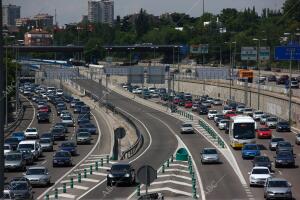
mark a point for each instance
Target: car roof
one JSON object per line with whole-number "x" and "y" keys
{"x": 121, "y": 164}
{"x": 276, "y": 179}
{"x": 28, "y": 141}
{"x": 37, "y": 167}
{"x": 260, "y": 167}
{"x": 209, "y": 148}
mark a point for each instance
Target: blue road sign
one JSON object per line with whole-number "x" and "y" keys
{"x": 290, "y": 52}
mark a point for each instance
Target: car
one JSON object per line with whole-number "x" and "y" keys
{"x": 82, "y": 121}
{"x": 83, "y": 138}
{"x": 21, "y": 190}
{"x": 73, "y": 102}
{"x": 264, "y": 118}
{"x": 230, "y": 114}
{"x": 273, "y": 143}
{"x": 31, "y": 133}
{"x": 283, "y": 126}
{"x": 20, "y": 135}
{"x": 7, "y": 149}
{"x": 84, "y": 116}
{"x": 33, "y": 146}
{"x": 67, "y": 98}
{"x": 218, "y": 116}
{"x": 120, "y": 173}
{"x": 137, "y": 91}
{"x": 13, "y": 142}
{"x": 277, "y": 188}
{"x": 226, "y": 109}
{"x": 211, "y": 114}
{"x": 65, "y": 113}
{"x": 195, "y": 106}
{"x": 297, "y": 139}
{"x": 46, "y": 144}
{"x": 67, "y": 120}
{"x": 44, "y": 108}
{"x": 62, "y": 158}
{"x": 69, "y": 146}
{"x": 262, "y": 161}
{"x": 151, "y": 89}
{"x": 284, "y": 159}
{"x": 257, "y": 115}
{"x": 14, "y": 162}
{"x": 43, "y": 117}
{"x": 188, "y": 104}
{"x": 250, "y": 151}
{"x": 38, "y": 176}
{"x": 47, "y": 136}
{"x": 27, "y": 156}
{"x": 92, "y": 129}
{"x": 271, "y": 122}
{"x": 264, "y": 132}
{"x": 259, "y": 175}
{"x": 59, "y": 92}
{"x": 223, "y": 123}
{"x": 8, "y": 194}
{"x": 248, "y": 111}
{"x": 282, "y": 79}
{"x": 206, "y": 103}
{"x": 295, "y": 84}
{"x": 58, "y": 133}
{"x": 284, "y": 146}
{"x": 271, "y": 78}
{"x": 217, "y": 102}
{"x": 41, "y": 104}
{"x": 85, "y": 109}
{"x": 209, "y": 155}
{"x": 240, "y": 108}
{"x": 59, "y": 109}
{"x": 77, "y": 109}
{"x": 187, "y": 128}
{"x": 62, "y": 126}
{"x": 202, "y": 110}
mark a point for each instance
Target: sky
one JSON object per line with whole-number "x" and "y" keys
{"x": 69, "y": 11}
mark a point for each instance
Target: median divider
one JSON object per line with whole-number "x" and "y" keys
{"x": 212, "y": 133}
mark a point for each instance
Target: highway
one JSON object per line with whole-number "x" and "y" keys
{"x": 46, "y": 159}
{"x": 219, "y": 181}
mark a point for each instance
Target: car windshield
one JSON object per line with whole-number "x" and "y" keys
{"x": 187, "y": 125}
{"x": 12, "y": 157}
{"x": 272, "y": 119}
{"x": 248, "y": 110}
{"x": 18, "y": 134}
{"x": 259, "y": 113}
{"x": 260, "y": 171}
{"x": 6, "y": 147}
{"x": 120, "y": 167}
{"x": 250, "y": 147}
{"x": 209, "y": 151}
{"x": 57, "y": 130}
{"x": 19, "y": 185}
{"x": 284, "y": 144}
{"x": 278, "y": 184}
{"x": 244, "y": 130}
{"x": 264, "y": 129}
{"x": 283, "y": 123}
{"x": 68, "y": 144}
{"x": 84, "y": 134}
{"x": 213, "y": 111}
{"x": 45, "y": 141}
{"x": 62, "y": 154}
{"x": 31, "y": 130}
{"x": 67, "y": 118}
{"x": 277, "y": 139}
{"x": 37, "y": 171}
{"x": 261, "y": 159}
{"x": 26, "y": 146}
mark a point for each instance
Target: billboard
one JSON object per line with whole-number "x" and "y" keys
{"x": 203, "y": 73}
{"x": 156, "y": 75}
{"x": 248, "y": 53}
{"x": 285, "y": 53}
{"x": 135, "y": 74}
{"x": 199, "y": 49}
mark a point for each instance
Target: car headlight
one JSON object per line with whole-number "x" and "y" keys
{"x": 252, "y": 178}
{"x": 127, "y": 175}
{"x": 110, "y": 176}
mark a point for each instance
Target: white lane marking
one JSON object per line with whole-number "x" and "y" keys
{"x": 33, "y": 118}
{"x": 171, "y": 181}
{"x": 79, "y": 187}
{"x": 78, "y": 164}
{"x": 178, "y": 165}
{"x": 174, "y": 175}
{"x": 177, "y": 170}
{"x": 65, "y": 195}
{"x": 100, "y": 155}
{"x": 280, "y": 172}
{"x": 170, "y": 190}
{"x": 194, "y": 163}
{"x": 82, "y": 179}
{"x": 150, "y": 143}
{"x": 43, "y": 162}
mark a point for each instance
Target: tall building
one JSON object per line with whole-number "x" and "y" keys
{"x": 9, "y": 14}
{"x": 101, "y": 11}
{"x": 43, "y": 20}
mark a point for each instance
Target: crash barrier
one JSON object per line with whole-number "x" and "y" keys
{"x": 212, "y": 133}
{"x": 12, "y": 125}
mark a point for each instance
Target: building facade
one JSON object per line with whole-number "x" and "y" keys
{"x": 41, "y": 21}
{"x": 9, "y": 14}
{"x": 38, "y": 37}
{"x": 101, "y": 11}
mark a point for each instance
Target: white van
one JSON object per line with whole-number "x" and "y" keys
{"x": 33, "y": 145}
{"x": 51, "y": 89}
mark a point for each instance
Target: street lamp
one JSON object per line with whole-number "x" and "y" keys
{"x": 258, "y": 63}
{"x": 231, "y": 61}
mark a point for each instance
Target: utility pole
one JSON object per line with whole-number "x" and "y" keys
{"x": 2, "y": 90}
{"x": 290, "y": 89}
{"x": 202, "y": 7}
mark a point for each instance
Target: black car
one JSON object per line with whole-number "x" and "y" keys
{"x": 284, "y": 146}
{"x": 84, "y": 116}
{"x": 62, "y": 158}
{"x": 77, "y": 109}
{"x": 202, "y": 110}
{"x": 284, "y": 158}
{"x": 121, "y": 173}
{"x": 59, "y": 110}
{"x": 12, "y": 141}
{"x": 58, "y": 134}
{"x": 67, "y": 98}
{"x": 262, "y": 161}
{"x": 283, "y": 126}
{"x": 85, "y": 110}
{"x": 21, "y": 189}
{"x": 43, "y": 117}
{"x": 92, "y": 129}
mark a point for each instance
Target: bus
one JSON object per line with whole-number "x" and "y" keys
{"x": 241, "y": 131}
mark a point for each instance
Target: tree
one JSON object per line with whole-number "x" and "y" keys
{"x": 141, "y": 23}
{"x": 291, "y": 9}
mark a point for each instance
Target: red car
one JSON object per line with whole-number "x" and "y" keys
{"x": 176, "y": 100}
{"x": 264, "y": 132}
{"x": 230, "y": 114}
{"x": 43, "y": 109}
{"x": 188, "y": 104}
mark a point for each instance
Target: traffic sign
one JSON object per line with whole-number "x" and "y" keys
{"x": 289, "y": 52}
{"x": 264, "y": 53}
{"x": 248, "y": 53}
{"x": 199, "y": 49}
{"x": 146, "y": 174}
{"x": 120, "y": 132}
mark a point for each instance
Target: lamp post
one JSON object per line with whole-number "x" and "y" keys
{"x": 258, "y": 66}
{"x": 231, "y": 65}
{"x": 178, "y": 65}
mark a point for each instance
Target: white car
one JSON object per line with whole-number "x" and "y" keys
{"x": 259, "y": 175}
{"x": 187, "y": 128}
{"x": 33, "y": 145}
{"x": 257, "y": 115}
{"x": 240, "y": 108}
{"x": 248, "y": 111}
{"x": 7, "y": 149}
{"x": 226, "y": 109}
{"x": 209, "y": 99}
{"x": 59, "y": 92}
{"x": 137, "y": 91}
{"x": 211, "y": 114}
{"x": 222, "y": 124}
{"x": 67, "y": 120}
{"x": 31, "y": 133}
{"x": 294, "y": 84}
{"x": 271, "y": 122}
{"x": 151, "y": 89}
{"x": 65, "y": 113}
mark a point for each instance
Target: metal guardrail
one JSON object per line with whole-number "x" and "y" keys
{"x": 132, "y": 150}
{"x": 19, "y": 116}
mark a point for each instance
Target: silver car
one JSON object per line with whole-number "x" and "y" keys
{"x": 277, "y": 188}
{"x": 46, "y": 144}
{"x": 84, "y": 138}
{"x": 67, "y": 120}
{"x": 273, "y": 143}
{"x": 297, "y": 140}
{"x": 14, "y": 161}
{"x": 210, "y": 155}
{"x": 38, "y": 176}
{"x": 7, "y": 149}
{"x": 187, "y": 128}
{"x": 271, "y": 122}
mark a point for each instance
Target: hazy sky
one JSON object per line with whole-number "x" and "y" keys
{"x": 72, "y": 10}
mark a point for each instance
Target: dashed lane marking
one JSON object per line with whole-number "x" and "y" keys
{"x": 171, "y": 181}
{"x": 176, "y": 170}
